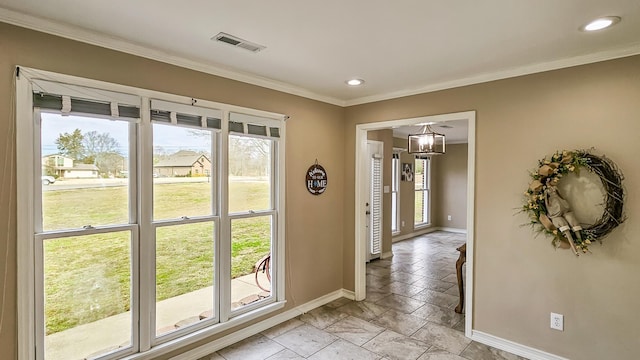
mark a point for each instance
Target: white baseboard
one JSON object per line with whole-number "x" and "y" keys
{"x": 386, "y": 255}
{"x": 413, "y": 234}
{"x": 242, "y": 334}
{"x": 426, "y": 231}
{"x": 453, "y": 230}
{"x": 512, "y": 347}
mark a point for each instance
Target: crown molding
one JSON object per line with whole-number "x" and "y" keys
{"x": 505, "y": 74}
{"x": 113, "y": 43}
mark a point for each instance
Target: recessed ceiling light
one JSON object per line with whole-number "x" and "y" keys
{"x": 355, "y": 82}
{"x": 601, "y": 23}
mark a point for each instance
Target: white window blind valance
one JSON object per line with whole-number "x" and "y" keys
{"x": 76, "y": 100}
{"x": 187, "y": 115}
{"x": 254, "y": 125}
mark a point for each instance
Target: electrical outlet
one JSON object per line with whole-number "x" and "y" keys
{"x": 449, "y": 217}
{"x": 402, "y": 223}
{"x": 557, "y": 321}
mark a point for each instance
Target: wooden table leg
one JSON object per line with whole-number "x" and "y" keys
{"x": 461, "y": 260}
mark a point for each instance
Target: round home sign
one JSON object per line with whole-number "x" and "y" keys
{"x": 316, "y": 179}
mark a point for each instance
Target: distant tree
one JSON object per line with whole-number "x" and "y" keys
{"x": 71, "y": 145}
{"x": 248, "y": 156}
{"x": 101, "y": 150}
{"x": 95, "y": 143}
{"x": 110, "y": 163}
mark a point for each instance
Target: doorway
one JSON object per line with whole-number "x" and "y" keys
{"x": 362, "y": 195}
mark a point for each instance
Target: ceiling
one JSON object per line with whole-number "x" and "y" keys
{"x": 455, "y": 130}
{"x": 398, "y": 47}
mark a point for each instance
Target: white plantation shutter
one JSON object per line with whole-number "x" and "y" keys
{"x": 376, "y": 205}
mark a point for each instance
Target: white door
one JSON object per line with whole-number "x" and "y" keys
{"x": 374, "y": 204}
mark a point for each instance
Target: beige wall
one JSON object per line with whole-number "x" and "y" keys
{"x": 520, "y": 278}
{"x": 449, "y": 187}
{"x": 407, "y": 197}
{"x": 315, "y": 131}
{"x": 386, "y": 137}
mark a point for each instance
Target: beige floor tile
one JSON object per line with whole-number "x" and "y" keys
{"x": 305, "y": 340}
{"x": 437, "y": 298}
{"x": 399, "y": 322}
{"x": 439, "y": 354}
{"x": 282, "y": 328}
{"x": 363, "y": 310}
{"x": 322, "y": 317}
{"x": 443, "y": 337}
{"x": 396, "y": 346}
{"x": 257, "y": 347}
{"x": 285, "y": 354}
{"x": 446, "y": 317}
{"x": 344, "y": 350}
{"x": 355, "y": 330}
{"x": 400, "y": 303}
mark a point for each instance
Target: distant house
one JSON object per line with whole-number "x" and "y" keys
{"x": 184, "y": 163}
{"x": 55, "y": 163}
{"x": 64, "y": 167}
{"x": 81, "y": 171}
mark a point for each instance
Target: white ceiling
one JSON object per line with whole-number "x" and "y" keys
{"x": 397, "y": 47}
{"x": 455, "y": 131}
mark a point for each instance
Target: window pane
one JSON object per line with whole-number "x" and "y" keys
{"x": 85, "y": 164}
{"x": 419, "y": 210}
{"x": 420, "y": 174}
{"x": 249, "y": 174}
{"x": 184, "y": 275}
{"x": 87, "y": 295}
{"x": 182, "y": 169}
{"x": 394, "y": 211}
{"x": 250, "y": 243}
{"x": 395, "y": 163}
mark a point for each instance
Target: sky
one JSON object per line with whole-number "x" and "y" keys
{"x": 170, "y": 138}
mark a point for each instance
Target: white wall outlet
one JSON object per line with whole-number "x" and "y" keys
{"x": 386, "y": 189}
{"x": 449, "y": 217}
{"x": 402, "y": 223}
{"x": 557, "y": 321}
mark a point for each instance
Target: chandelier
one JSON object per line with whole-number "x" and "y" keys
{"x": 428, "y": 142}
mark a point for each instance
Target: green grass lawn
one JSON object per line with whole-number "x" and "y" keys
{"x": 87, "y": 278}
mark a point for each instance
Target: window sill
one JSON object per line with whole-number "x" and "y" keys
{"x": 192, "y": 338}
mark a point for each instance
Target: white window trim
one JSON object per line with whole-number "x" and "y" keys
{"x": 25, "y": 155}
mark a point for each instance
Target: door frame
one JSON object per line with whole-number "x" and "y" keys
{"x": 361, "y": 196}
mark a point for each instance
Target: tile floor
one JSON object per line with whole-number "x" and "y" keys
{"x": 408, "y": 314}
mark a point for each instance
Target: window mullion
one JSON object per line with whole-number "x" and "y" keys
{"x": 146, "y": 239}
{"x": 223, "y": 255}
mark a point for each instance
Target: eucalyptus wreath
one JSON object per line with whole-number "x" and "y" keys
{"x": 551, "y": 170}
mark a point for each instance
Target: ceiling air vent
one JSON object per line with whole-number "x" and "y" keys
{"x": 237, "y": 42}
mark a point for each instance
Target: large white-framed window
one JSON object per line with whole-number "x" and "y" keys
{"x": 395, "y": 193}
{"x": 160, "y": 209}
{"x": 422, "y": 198}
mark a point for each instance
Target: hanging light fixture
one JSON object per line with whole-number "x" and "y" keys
{"x": 428, "y": 142}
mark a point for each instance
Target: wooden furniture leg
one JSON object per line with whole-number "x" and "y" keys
{"x": 461, "y": 260}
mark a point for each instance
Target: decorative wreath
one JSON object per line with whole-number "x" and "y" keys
{"x": 548, "y": 174}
